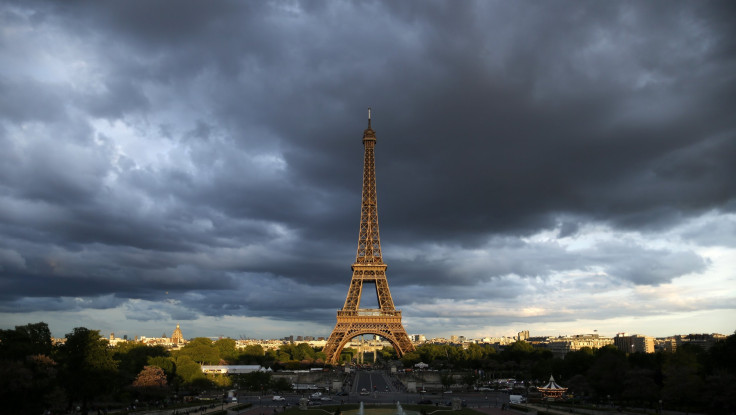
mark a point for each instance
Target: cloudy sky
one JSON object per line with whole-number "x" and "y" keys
{"x": 556, "y": 166}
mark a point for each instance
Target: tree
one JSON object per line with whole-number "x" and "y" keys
{"x": 253, "y": 354}
{"x": 579, "y": 387}
{"x": 447, "y": 380}
{"x": 31, "y": 339}
{"x": 27, "y": 373}
{"x": 165, "y": 363}
{"x": 409, "y": 359}
{"x": 469, "y": 379}
{"x": 639, "y": 387}
{"x": 608, "y": 372}
{"x": 187, "y": 369}
{"x": 150, "y": 377}
{"x": 388, "y": 353}
{"x": 199, "y": 384}
{"x": 255, "y": 381}
{"x": 226, "y": 350}
{"x": 202, "y": 351}
{"x": 220, "y": 380}
{"x": 578, "y": 362}
{"x": 133, "y": 357}
{"x": 88, "y": 368}
{"x": 281, "y": 384}
{"x": 682, "y": 383}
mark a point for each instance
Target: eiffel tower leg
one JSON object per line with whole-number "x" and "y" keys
{"x": 332, "y": 349}
{"x": 388, "y": 327}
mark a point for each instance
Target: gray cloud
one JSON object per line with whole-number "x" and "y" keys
{"x": 215, "y": 149}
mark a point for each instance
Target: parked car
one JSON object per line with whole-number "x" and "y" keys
{"x": 364, "y": 391}
{"x": 278, "y": 398}
{"x": 316, "y": 395}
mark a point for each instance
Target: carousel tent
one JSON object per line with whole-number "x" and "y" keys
{"x": 552, "y": 390}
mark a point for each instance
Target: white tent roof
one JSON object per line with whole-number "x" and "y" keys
{"x": 552, "y": 384}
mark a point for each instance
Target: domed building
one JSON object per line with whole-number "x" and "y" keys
{"x": 176, "y": 336}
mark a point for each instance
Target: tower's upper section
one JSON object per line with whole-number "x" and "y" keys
{"x": 369, "y": 242}
{"x": 368, "y": 133}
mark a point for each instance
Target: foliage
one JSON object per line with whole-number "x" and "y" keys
{"x": 387, "y": 353}
{"x": 253, "y": 354}
{"x": 469, "y": 379}
{"x": 31, "y": 339}
{"x": 226, "y": 350}
{"x": 202, "y": 351}
{"x": 220, "y": 380}
{"x": 165, "y": 363}
{"x": 36, "y": 375}
{"x": 682, "y": 383}
{"x": 150, "y": 377}
{"x": 188, "y": 370}
{"x": 28, "y": 373}
{"x": 447, "y": 380}
{"x": 281, "y": 385}
{"x": 133, "y": 357}
{"x": 255, "y": 381}
{"x": 88, "y": 367}
{"x": 608, "y": 372}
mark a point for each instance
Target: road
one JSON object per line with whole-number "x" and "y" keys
{"x": 381, "y": 388}
{"x": 373, "y": 382}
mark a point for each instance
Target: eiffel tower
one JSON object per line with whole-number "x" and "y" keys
{"x": 353, "y": 321}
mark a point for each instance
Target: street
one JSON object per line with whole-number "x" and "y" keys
{"x": 380, "y": 388}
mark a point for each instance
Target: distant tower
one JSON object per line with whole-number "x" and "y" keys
{"x": 352, "y": 321}
{"x": 176, "y": 336}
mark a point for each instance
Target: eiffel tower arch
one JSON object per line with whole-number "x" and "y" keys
{"x": 353, "y": 321}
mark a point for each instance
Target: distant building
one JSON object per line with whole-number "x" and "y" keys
{"x": 418, "y": 338}
{"x": 176, "y": 337}
{"x": 704, "y": 341}
{"x": 523, "y": 335}
{"x": 668, "y": 345}
{"x": 634, "y": 344}
{"x": 560, "y": 346}
{"x": 233, "y": 369}
{"x": 114, "y": 341}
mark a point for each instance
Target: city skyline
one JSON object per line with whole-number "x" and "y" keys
{"x": 557, "y": 167}
{"x": 451, "y": 338}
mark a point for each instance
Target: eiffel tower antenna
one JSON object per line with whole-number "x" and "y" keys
{"x": 353, "y": 321}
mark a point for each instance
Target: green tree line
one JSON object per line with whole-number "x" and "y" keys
{"x": 690, "y": 378}
{"x": 35, "y": 375}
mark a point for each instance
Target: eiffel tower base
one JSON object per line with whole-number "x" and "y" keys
{"x": 352, "y": 324}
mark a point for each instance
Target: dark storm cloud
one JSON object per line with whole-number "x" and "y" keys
{"x": 240, "y": 128}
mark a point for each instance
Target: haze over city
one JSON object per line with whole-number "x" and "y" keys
{"x": 558, "y": 167}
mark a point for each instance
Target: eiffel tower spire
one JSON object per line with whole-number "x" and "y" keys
{"x": 369, "y": 242}
{"x": 352, "y": 321}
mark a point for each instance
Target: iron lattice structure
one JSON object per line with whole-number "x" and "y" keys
{"x": 352, "y": 321}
